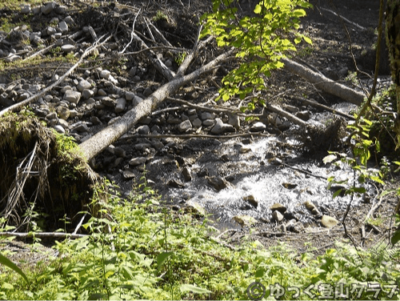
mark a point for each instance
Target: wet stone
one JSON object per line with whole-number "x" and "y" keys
{"x": 251, "y": 199}
{"x": 244, "y": 220}
{"x": 175, "y": 183}
{"x": 258, "y": 127}
{"x": 277, "y": 216}
{"x": 328, "y": 221}
{"x": 278, "y": 207}
{"x": 218, "y": 183}
{"x": 195, "y": 208}
{"x": 289, "y": 185}
{"x": 137, "y": 161}
{"x": 186, "y": 174}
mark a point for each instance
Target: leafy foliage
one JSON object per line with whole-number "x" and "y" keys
{"x": 136, "y": 250}
{"x": 261, "y": 41}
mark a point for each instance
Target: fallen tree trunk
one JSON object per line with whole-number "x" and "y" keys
{"x": 94, "y": 145}
{"x": 323, "y": 83}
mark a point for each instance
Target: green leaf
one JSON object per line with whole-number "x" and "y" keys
{"x": 395, "y": 237}
{"x": 337, "y": 193}
{"x": 163, "y": 257}
{"x": 257, "y": 10}
{"x": 7, "y": 262}
{"x": 194, "y": 289}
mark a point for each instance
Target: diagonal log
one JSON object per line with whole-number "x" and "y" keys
{"x": 323, "y": 83}
{"x": 94, "y": 145}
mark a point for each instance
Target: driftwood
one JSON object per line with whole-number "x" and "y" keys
{"x": 321, "y": 106}
{"x": 94, "y": 145}
{"x": 323, "y": 83}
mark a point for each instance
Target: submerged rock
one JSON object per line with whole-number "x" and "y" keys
{"x": 218, "y": 183}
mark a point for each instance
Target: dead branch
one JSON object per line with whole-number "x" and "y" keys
{"x": 321, "y": 106}
{"x": 324, "y": 83}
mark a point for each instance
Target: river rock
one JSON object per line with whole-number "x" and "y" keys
{"x": 184, "y": 126}
{"x": 121, "y": 104}
{"x": 48, "y": 8}
{"x": 251, "y": 199}
{"x": 143, "y": 130}
{"x": 186, "y": 174}
{"x": 63, "y": 26}
{"x": 87, "y": 93}
{"x": 59, "y": 129}
{"x": 72, "y": 96}
{"x": 276, "y": 215}
{"x": 208, "y": 122}
{"x": 196, "y": 123}
{"x": 258, "y": 127}
{"x": 83, "y": 84}
{"x": 128, "y": 174}
{"x": 119, "y": 152}
{"x": 137, "y": 161}
{"x": 329, "y": 222}
{"x": 105, "y": 74}
{"x": 101, "y": 92}
{"x": 175, "y": 183}
{"x": 26, "y": 9}
{"x": 206, "y": 115}
{"x": 289, "y": 185}
{"x": 220, "y": 127}
{"x": 218, "y": 183}
{"x": 195, "y": 208}
{"x": 67, "y": 48}
{"x": 310, "y": 206}
{"x": 95, "y": 120}
{"x": 278, "y": 207}
{"x": 51, "y": 30}
{"x": 234, "y": 120}
{"x": 173, "y": 120}
{"x": 63, "y": 112}
{"x": 304, "y": 115}
{"x": 108, "y": 101}
{"x": 244, "y": 220}
{"x": 133, "y": 71}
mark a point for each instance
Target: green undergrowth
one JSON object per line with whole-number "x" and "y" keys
{"x": 138, "y": 250}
